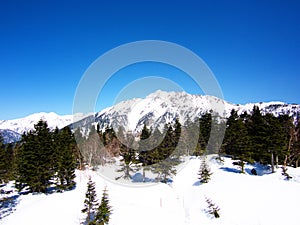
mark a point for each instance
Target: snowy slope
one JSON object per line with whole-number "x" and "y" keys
{"x": 155, "y": 110}
{"x": 244, "y": 199}
{"x": 27, "y": 123}
{"x": 162, "y": 107}
{"x": 9, "y": 136}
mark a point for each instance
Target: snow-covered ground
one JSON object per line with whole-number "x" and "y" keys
{"x": 242, "y": 198}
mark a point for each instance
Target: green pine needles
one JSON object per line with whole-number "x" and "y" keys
{"x": 204, "y": 171}
{"x": 96, "y": 214}
{"x": 46, "y": 159}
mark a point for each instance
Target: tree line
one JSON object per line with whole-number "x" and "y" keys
{"x": 155, "y": 152}
{"x": 44, "y": 159}
{"x": 266, "y": 139}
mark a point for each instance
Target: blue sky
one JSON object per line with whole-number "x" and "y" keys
{"x": 252, "y": 47}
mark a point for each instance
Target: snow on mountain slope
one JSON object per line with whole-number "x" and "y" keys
{"x": 27, "y": 123}
{"x": 9, "y": 136}
{"x": 243, "y": 199}
{"x": 161, "y": 107}
{"x": 155, "y": 110}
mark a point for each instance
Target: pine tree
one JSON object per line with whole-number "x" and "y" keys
{"x": 204, "y": 172}
{"x": 128, "y": 154}
{"x": 237, "y": 141}
{"x": 36, "y": 159}
{"x": 65, "y": 158}
{"x": 127, "y": 165}
{"x": 258, "y": 134}
{"x": 276, "y": 139}
{"x": 90, "y": 202}
{"x": 3, "y": 162}
{"x": 144, "y": 152}
{"x": 165, "y": 156}
{"x": 212, "y": 208}
{"x": 104, "y": 210}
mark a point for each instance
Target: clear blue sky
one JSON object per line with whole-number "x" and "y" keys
{"x": 252, "y": 47}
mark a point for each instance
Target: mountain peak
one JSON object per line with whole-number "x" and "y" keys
{"x": 25, "y": 124}
{"x": 161, "y": 107}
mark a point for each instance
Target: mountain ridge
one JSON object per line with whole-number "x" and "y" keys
{"x": 156, "y": 109}
{"x": 162, "y": 107}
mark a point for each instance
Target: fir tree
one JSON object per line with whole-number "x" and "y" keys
{"x": 212, "y": 208}
{"x": 144, "y": 153}
{"x": 90, "y": 202}
{"x": 104, "y": 210}
{"x": 204, "y": 172}
{"x": 65, "y": 158}
{"x": 258, "y": 134}
{"x": 3, "y": 162}
{"x": 237, "y": 141}
{"x": 165, "y": 155}
{"x": 127, "y": 165}
{"x": 128, "y": 161}
{"x": 165, "y": 169}
{"x": 35, "y": 159}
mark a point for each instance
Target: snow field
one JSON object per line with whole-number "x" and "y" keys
{"x": 243, "y": 199}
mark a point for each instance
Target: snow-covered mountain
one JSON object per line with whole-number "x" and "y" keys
{"x": 162, "y": 107}
{"x": 155, "y": 110}
{"x": 25, "y": 124}
{"x": 9, "y": 136}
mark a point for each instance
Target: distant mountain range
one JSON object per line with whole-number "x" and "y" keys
{"x": 155, "y": 110}
{"x": 11, "y": 130}
{"x": 161, "y": 107}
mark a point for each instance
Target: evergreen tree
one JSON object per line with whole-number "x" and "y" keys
{"x": 35, "y": 159}
{"x": 145, "y": 155}
{"x": 205, "y": 126}
{"x": 104, "y": 210}
{"x": 212, "y": 208}
{"x": 65, "y": 158}
{"x": 164, "y": 169}
{"x": 165, "y": 155}
{"x": 258, "y": 134}
{"x": 204, "y": 171}
{"x": 237, "y": 141}
{"x": 3, "y": 162}
{"x": 294, "y": 145}
{"x": 128, "y": 161}
{"x": 6, "y": 161}
{"x": 276, "y": 139}
{"x": 90, "y": 202}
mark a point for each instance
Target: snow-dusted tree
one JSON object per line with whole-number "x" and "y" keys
{"x": 212, "y": 208}
{"x": 104, "y": 211}
{"x": 90, "y": 202}
{"x": 204, "y": 171}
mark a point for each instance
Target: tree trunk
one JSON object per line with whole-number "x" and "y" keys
{"x": 276, "y": 161}
{"x": 285, "y": 161}
{"x": 272, "y": 162}
{"x": 144, "y": 175}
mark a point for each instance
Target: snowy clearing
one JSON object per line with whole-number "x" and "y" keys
{"x": 243, "y": 199}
